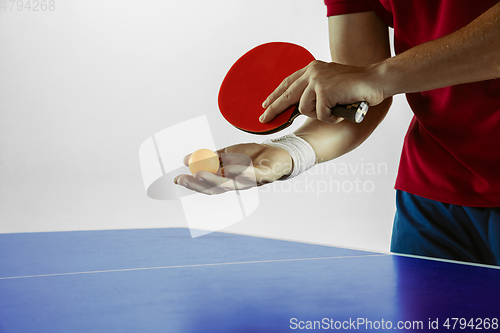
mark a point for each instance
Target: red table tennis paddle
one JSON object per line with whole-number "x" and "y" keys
{"x": 257, "y": 74}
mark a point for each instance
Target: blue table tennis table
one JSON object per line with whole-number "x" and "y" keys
{"x": 162, "y": 280}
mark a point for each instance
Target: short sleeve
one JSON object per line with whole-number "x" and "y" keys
{"x": 339, "y": 7}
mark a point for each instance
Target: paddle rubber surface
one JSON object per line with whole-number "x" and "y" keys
{"x": 252, "y": 78}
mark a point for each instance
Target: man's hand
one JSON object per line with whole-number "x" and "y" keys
{"x": 268, "y": 164}
{"x": 319, "y": 87}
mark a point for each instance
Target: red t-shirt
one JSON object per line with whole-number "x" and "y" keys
{"x": 451, "y": 151}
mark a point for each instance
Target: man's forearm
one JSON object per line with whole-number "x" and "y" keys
{"x": 470, "y": 54}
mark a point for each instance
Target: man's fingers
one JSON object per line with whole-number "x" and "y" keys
{"x": 194, "y": 184}
{"x": 215, "y": 180}
{"x": 185, "y": 160}
{"x": 284, "y": 85}
{"x": 287, "y": 94}
{"x": 199, "y": 185}
{"x": 180, "y": 179}
{"x": 235, "y": 158}
{"x": 242, "y": 174}
{"x": 307, "y": 104}
{"x": 210, "y": 184}
{"x": 324, "y": 113}
{"x": 288, "y": 98}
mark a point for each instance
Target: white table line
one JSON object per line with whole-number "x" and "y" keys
{"x": 185, "y": 266}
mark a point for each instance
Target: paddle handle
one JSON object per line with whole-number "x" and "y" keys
{"x": 355, "y": 112}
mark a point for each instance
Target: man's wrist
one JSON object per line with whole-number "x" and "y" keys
{"x": 384, "y": 76}
{"x": 301, "y": 153}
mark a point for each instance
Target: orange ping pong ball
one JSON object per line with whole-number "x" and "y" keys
{"x": 203, "y": 159}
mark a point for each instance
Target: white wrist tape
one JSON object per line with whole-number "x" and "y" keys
{"x": 302, "y": 153}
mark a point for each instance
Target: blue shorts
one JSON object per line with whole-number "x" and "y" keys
{"x": 429, "y": 228}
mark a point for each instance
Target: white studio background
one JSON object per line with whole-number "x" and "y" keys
{"x": 84, "y": 84}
